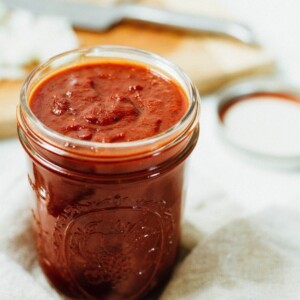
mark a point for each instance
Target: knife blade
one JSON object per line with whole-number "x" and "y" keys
{"x": 98, "y": 18}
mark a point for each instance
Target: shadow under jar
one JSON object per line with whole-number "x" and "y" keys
{"x": 107, "y": 215}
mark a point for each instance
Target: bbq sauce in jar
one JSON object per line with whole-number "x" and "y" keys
{"x": 107, "y": 139}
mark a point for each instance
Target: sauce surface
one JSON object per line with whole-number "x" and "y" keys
{"x": 108, "y": 102}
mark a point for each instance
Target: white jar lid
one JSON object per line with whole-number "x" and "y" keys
{"x": 261, "y": 118}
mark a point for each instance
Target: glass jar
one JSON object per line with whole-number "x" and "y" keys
{"x": 107, "y": 215}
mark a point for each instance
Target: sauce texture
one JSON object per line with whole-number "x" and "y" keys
{"x": 108, "y": 102}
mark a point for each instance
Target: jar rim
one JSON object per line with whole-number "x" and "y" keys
{"x": 188, "y": 121}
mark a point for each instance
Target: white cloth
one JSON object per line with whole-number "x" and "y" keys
{"x": 254, "y": 258}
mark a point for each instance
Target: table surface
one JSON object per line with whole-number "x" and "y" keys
{"x": 213, "y": 164}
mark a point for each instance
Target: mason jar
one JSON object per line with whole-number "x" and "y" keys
{"x": 107, "y": 216}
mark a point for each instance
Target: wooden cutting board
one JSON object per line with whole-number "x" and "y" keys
{"x": 210, "y": 61}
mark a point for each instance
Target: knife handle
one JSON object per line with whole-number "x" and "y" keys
{"x": 188, "y": 22}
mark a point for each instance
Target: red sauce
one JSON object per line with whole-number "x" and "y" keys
{"x": 108, "y": 102}
{"x": 107, "y": 229}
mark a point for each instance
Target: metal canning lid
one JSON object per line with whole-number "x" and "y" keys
{"x": 261, "y": 119}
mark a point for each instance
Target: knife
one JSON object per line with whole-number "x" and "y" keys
{"x": 99, "y": 18}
